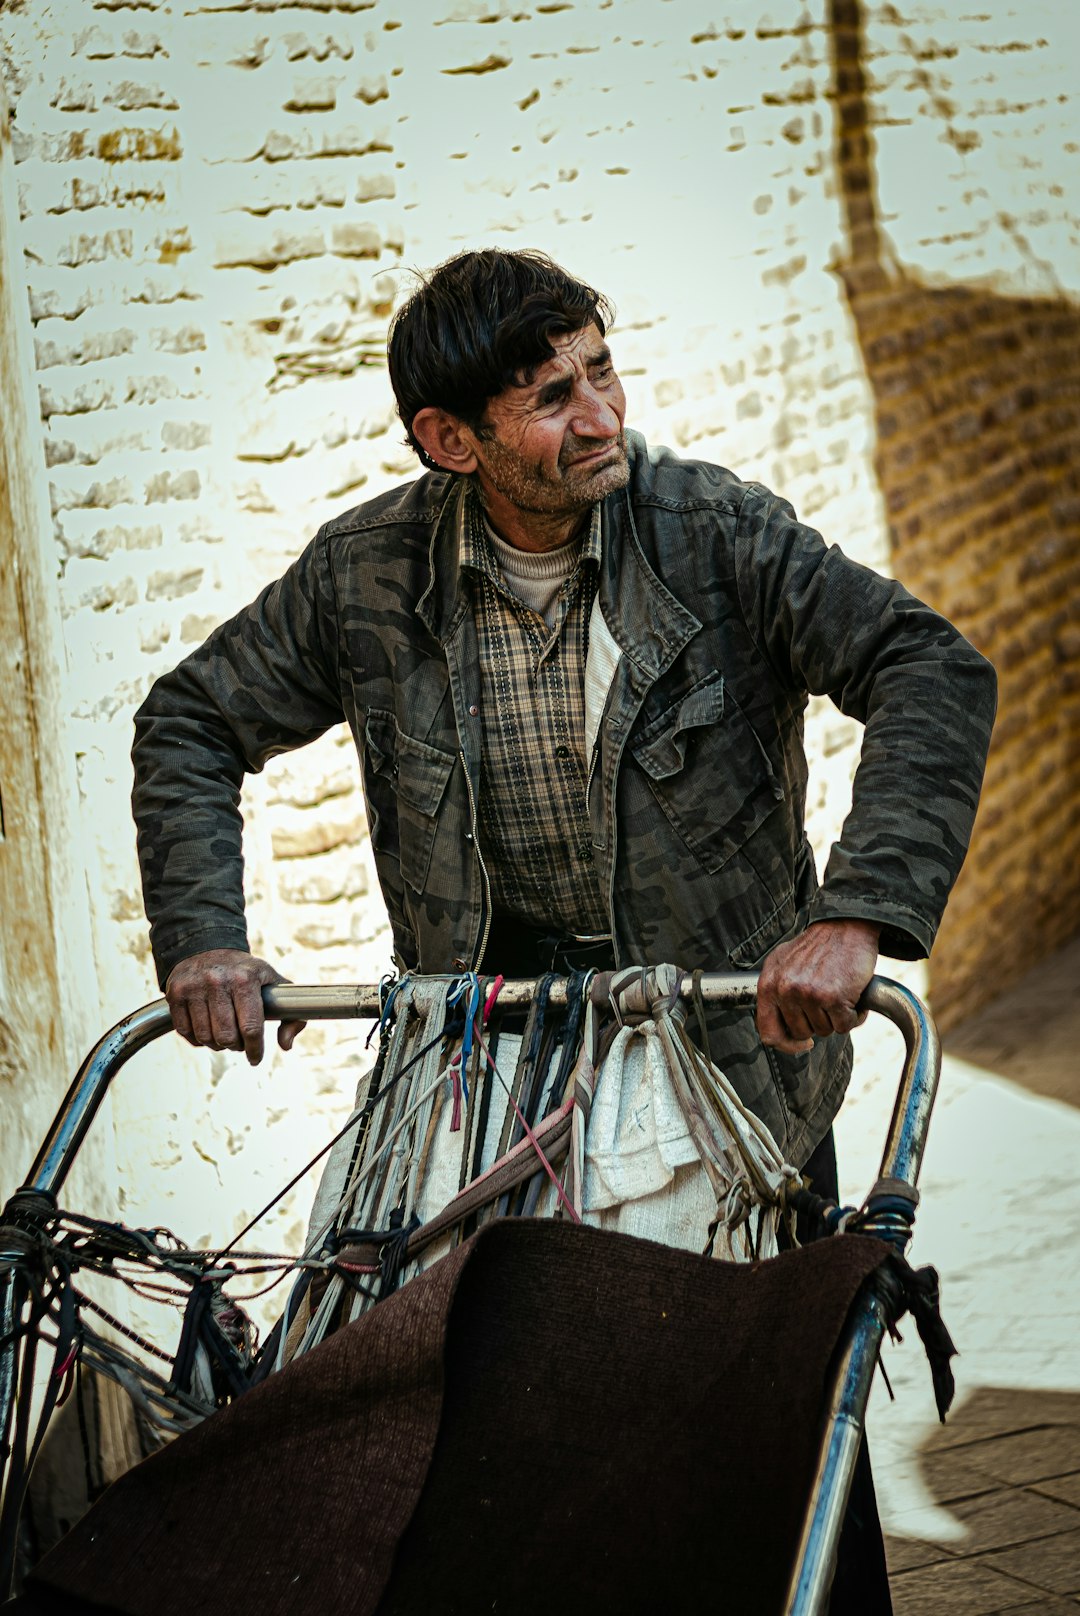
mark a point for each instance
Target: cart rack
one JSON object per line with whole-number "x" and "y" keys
{"x": 889, "y": 1214}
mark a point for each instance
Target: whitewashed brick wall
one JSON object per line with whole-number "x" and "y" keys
{"x": 221, "y": 202}
{"x": 978, "y": 151}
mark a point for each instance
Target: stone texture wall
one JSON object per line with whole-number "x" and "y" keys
{"x": 220, "y": 204}
{"x": 976, "y": 394}
{"x": 219, "y": 207}
{"x": 209, "y": 222}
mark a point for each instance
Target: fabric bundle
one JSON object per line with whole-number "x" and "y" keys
{"x": 603, "y": 1112}
{"x": 552, "y": 1413}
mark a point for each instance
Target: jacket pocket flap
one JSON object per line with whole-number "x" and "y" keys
{"x": 661, "y": 748}
{"x": 422, "y": 773}
{"x": 419, "y": 772}
{"x": 380, "y": 741}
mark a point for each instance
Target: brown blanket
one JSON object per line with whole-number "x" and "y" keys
{"x": 550, "y": 1418}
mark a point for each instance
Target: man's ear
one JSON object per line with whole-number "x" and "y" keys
{"x": 445, "y": 439}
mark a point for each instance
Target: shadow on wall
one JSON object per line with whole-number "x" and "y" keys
{"x": 1031, "y": 1033}
{"x": 1007, "y": 1467}
{"x": 977, "y": 403}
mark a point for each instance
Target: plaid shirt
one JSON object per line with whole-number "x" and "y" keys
{"x": 699, "y": 788}
{"x": 533, "y": 815}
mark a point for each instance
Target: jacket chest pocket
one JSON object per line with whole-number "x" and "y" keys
{"x": 708, "y": 771}
{"x": 413, "y": 777}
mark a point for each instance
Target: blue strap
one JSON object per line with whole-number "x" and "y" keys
{"x": 466, "y": 993}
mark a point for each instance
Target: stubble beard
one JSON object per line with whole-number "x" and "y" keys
{"x": 532, "y": 489}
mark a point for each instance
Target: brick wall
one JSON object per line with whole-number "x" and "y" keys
{"x": 209, "y": 221}
{"x": 977, "y": 401}
{"x": 220, "y": 205}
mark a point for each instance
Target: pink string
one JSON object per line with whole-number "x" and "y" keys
{"x": 548, "y": 1169}
{"x": 455, "y": 1064}
{"x": 530, "y": 1136}
{"x": 62, "y": 1369}
{"x": 496, "y": 989}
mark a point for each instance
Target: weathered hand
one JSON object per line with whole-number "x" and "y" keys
{"x": 809, "y": 987}
{"x": 216, "y": 1001}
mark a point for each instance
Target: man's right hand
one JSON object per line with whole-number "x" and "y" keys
{"x": 216, "y": 1001}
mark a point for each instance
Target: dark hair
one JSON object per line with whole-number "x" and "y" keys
{"x": 479, "y": 323}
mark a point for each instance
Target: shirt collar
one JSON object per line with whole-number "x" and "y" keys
{"x": 474, "y": 551}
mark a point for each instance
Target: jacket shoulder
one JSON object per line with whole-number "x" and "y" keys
{"x": 417, "y": 503}
{"x": 658, "y": 476}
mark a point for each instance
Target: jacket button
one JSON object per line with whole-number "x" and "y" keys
{"x": 474, "y": 711}
{"x": 469, "y": 837}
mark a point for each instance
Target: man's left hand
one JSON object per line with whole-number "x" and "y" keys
{"x": 809, "y": 987}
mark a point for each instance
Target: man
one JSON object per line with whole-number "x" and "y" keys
{"x": 575, "y": 669}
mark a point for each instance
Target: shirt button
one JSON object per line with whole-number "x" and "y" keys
{"x": 562, "y": 751}
{"x": 474, "y": 711}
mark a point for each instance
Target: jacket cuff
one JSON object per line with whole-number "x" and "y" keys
{"x": 904, "y": 934}
{"x": 197, "y": 942}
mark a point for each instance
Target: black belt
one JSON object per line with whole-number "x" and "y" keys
{"x": 515, "y": 948}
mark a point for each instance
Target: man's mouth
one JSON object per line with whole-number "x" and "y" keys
{"x": 594, "y": 457}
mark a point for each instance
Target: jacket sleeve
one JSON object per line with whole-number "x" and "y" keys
{"x": 927, "y": 700}
{"x": 263, "y": 683}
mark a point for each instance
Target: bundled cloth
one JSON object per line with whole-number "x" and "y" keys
{"x": 603, "y": 1112}
{"x": 550, "y": 1413}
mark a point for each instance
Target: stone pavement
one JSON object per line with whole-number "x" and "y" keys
{"x": 982, "y": 1515}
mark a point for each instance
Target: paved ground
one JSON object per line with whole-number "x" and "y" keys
{"x": 982, "y": 1515}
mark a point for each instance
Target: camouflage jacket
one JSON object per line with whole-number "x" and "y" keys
{"x": 720, "y": 613}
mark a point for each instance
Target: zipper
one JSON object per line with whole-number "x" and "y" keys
{"x": 485, "y": 900}
{"x": 592, "y": 771}
{"x": 613, "y": 834}
{"x": 612, "y": 841}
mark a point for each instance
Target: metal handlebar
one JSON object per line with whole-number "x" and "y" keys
{"x": 900, "y": 1164}
{"x": 901, "y": 1160}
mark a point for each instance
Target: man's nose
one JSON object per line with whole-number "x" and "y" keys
{"x": 595, "y": 417}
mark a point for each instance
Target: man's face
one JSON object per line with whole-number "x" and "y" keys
{"x": 555, "y": 446}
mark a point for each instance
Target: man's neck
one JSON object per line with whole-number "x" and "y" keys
{"x": 531, "y": 530}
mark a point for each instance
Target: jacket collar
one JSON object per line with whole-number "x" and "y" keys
{"x": 644, "y": 617}
{"x": 445, "y": 600}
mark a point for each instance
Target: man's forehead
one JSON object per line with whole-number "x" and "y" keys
{"x": 573, "y": 349}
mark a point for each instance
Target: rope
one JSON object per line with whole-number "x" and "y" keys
{"x": 532, "y": 1139}
{"x": 365, "y": 1244}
